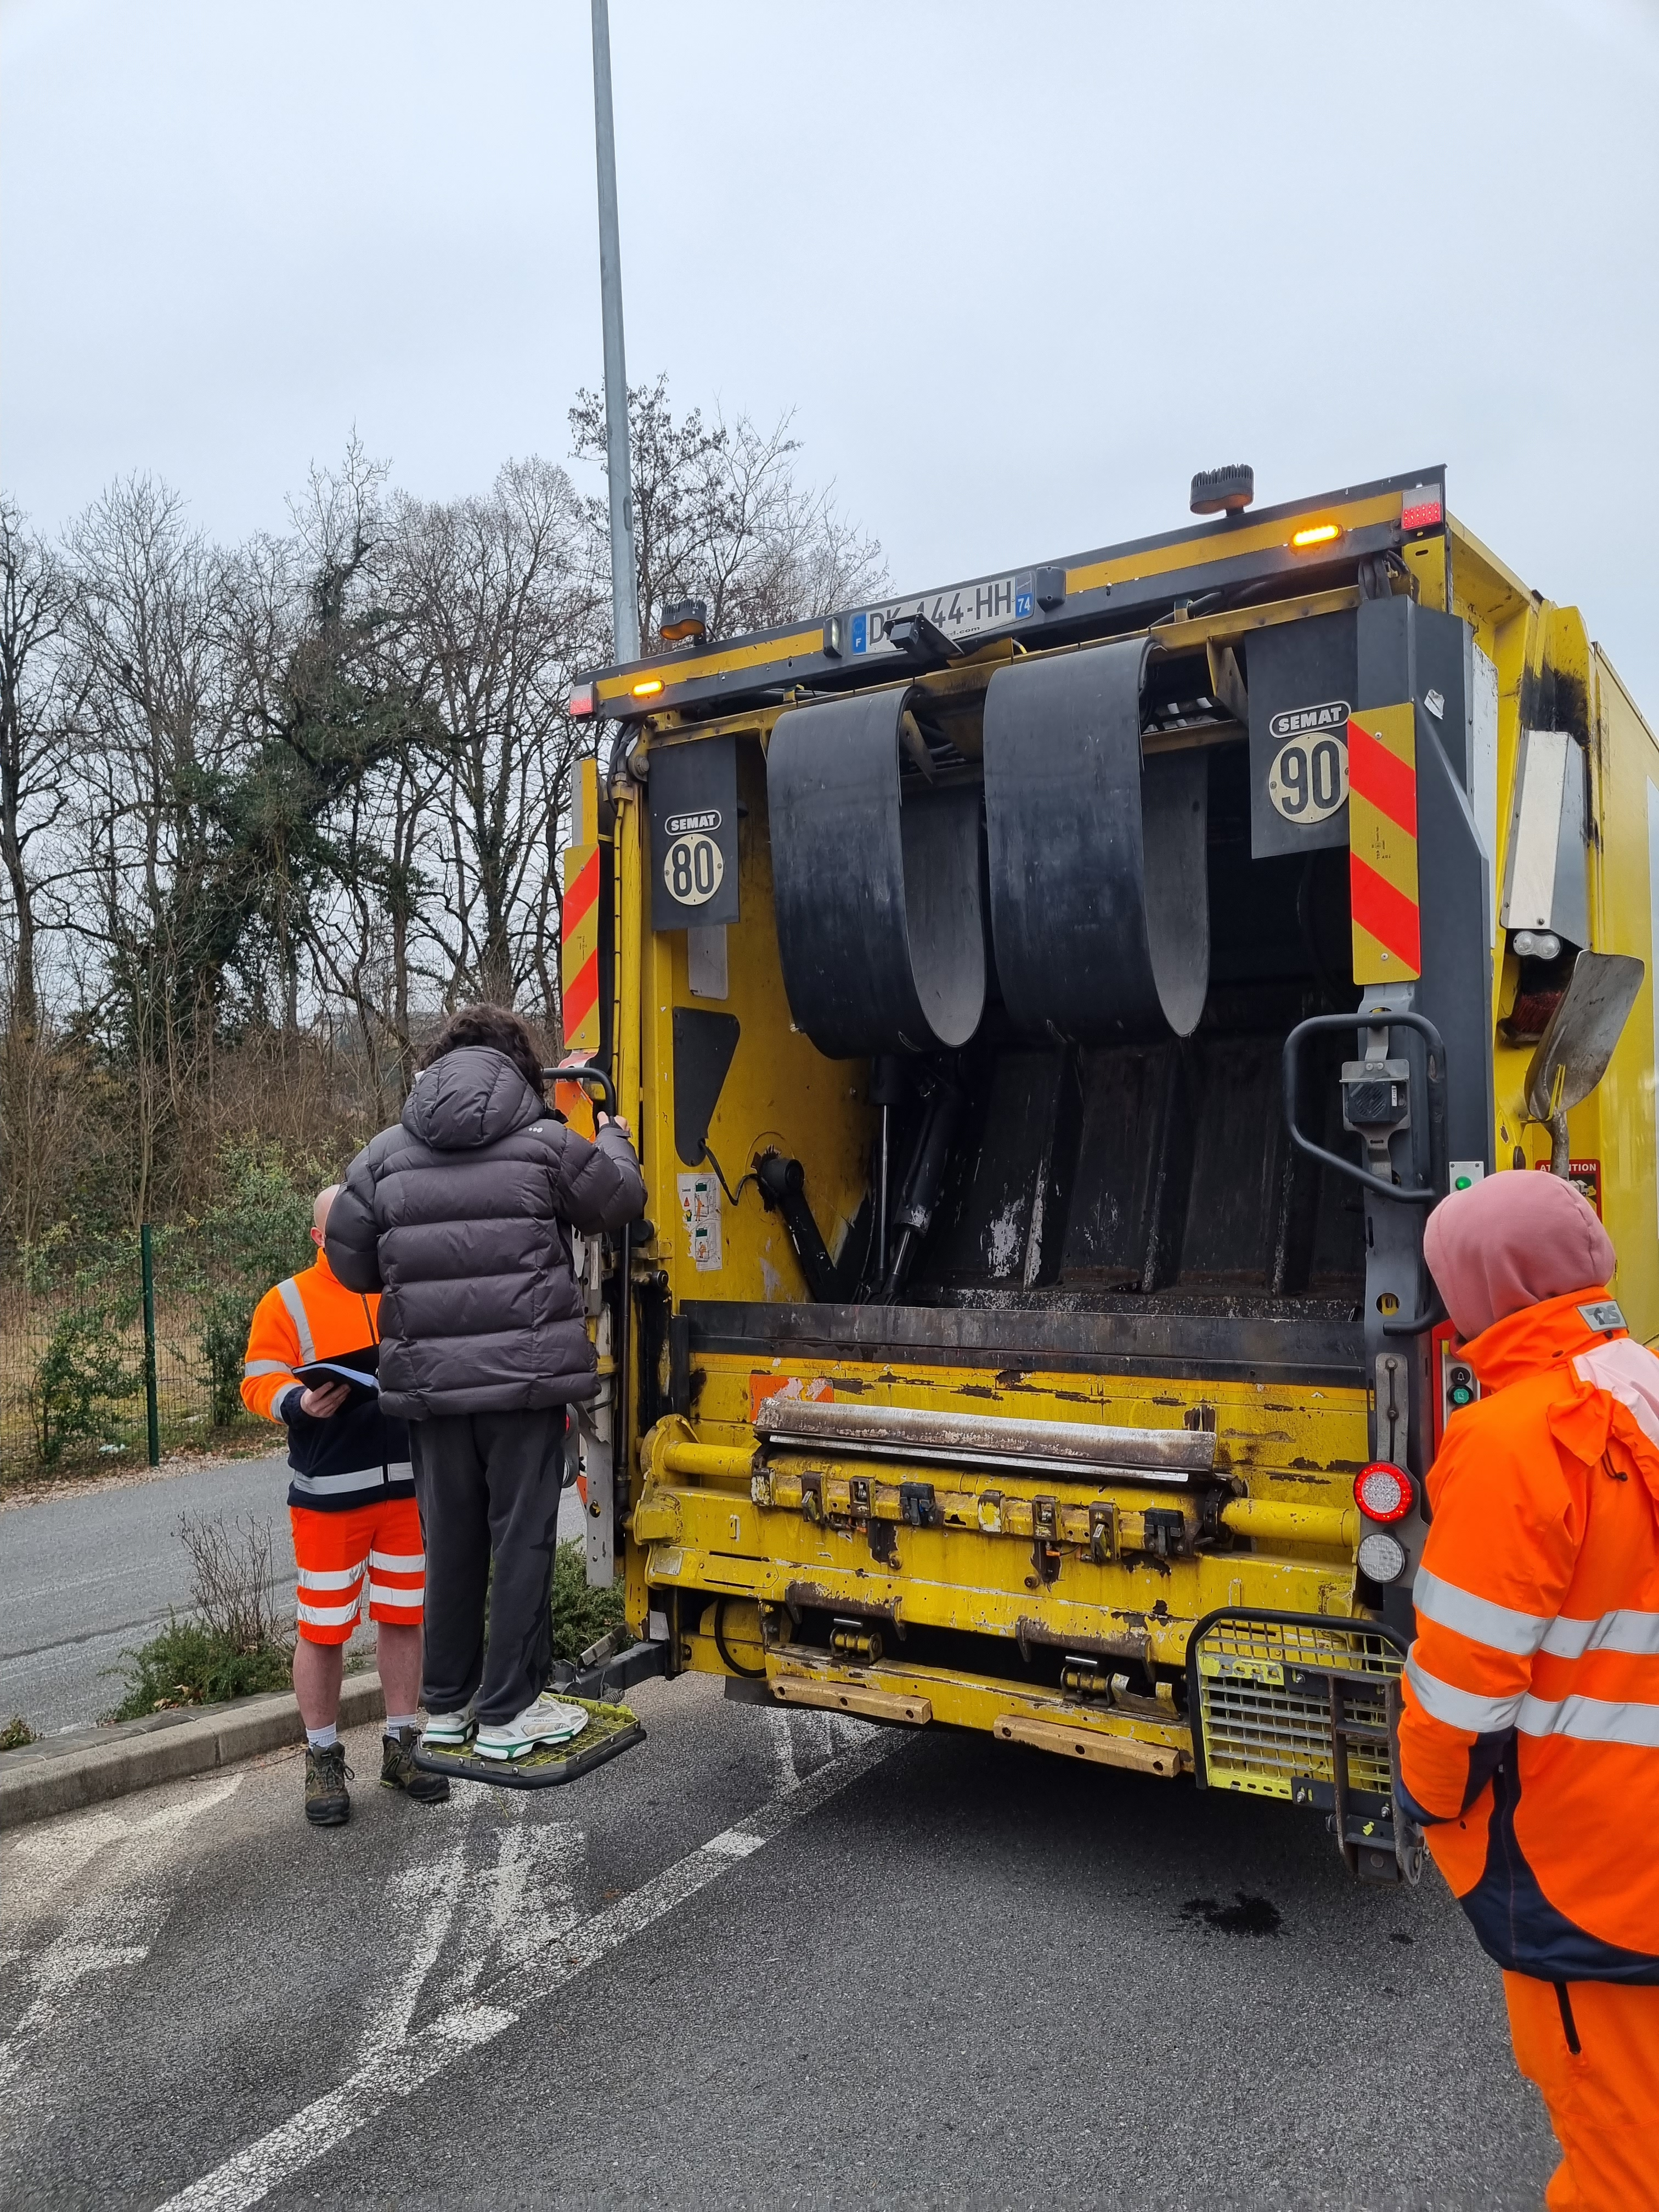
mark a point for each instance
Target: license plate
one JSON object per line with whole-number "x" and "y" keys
{"x": 962, "y": 612}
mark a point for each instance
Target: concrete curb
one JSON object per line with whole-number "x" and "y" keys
{"x": 66, "y": 1775}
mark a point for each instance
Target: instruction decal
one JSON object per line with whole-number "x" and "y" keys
{"x": 699, "y": 1206}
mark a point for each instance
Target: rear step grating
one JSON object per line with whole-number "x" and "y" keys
{"x": 1269, "y": 1693}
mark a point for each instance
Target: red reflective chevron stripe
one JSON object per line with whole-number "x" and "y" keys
{"x": 1389, "y": 782}
{"x": 1389, "y": 915}
{"x": 582, "y": 994}
{"x": 582, "y": 895}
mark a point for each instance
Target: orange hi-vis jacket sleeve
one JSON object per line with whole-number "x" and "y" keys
{"x": 273, "y": 1353}
{"x": 312, "y": 1316}
{"x": 1529, "y": 1734}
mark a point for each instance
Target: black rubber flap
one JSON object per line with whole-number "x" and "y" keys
{"x": 1099, "y": 894}
{"x": 704, "y": 1046}
{"x": 880, "y": 925}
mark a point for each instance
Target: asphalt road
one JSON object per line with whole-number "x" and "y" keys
{"x": 85, "y": 1575}
{"x": 764, "y": 1960}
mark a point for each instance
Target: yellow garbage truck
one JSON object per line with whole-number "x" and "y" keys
{"x": 1049, "y": 1006}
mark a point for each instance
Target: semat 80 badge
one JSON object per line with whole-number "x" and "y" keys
{"x": 692, "y": 867}
{"x": 1308, "y": 778}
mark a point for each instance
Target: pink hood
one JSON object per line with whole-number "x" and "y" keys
{"x": 1514, "y": 1240}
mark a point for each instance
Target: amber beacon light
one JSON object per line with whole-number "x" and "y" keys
{"x": 1316, "y": 534}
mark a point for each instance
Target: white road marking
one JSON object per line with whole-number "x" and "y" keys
{"x": 105, "y": 1933}
{"x": 254, "y": 2171}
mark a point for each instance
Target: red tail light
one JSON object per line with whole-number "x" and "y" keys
{"x": 1383, "y": 1491}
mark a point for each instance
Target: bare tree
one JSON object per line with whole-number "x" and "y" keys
{"x": 36, "y": 718}
{"x": 496, "y": 603}
{"x": 718, "y": 515}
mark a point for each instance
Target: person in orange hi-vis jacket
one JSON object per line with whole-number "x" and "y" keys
{"x": 1530, "y": 1733}
{"x": 357, "y": 1539}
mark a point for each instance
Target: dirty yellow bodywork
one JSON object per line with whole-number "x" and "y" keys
{"x": 727, "y": 1546}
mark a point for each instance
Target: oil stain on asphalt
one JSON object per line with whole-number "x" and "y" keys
{"x": 1251, "y": 1916}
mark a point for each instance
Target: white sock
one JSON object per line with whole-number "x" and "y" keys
{"x": 394, "y": 1721}
{"x": 323, "y": 1739}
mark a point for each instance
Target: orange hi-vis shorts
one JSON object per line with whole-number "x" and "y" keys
{"x": 334, "y": 1552}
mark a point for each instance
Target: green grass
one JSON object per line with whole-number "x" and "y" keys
{"x": 16, "y": 1733}
{"x": 580, "y": 1615}
{"x": 191, "y": 1664}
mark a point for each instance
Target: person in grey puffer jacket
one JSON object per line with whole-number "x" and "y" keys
{"x": 459, "y": 1217}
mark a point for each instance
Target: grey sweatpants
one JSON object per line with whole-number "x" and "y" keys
{"x": 489, "y": 1486}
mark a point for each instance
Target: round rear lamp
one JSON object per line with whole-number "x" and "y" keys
{"x": 1383, "y": 1491}
{"x": 1381, "y": 1557}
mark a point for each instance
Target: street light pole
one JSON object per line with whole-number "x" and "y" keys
{"x": 624, "y": 581}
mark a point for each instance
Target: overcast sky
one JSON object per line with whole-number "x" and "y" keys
{"x": 1018, "y": 270}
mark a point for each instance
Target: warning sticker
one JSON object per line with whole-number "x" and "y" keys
{"x": 700, "y": 1203}
{"x": 1584, "y": 1176}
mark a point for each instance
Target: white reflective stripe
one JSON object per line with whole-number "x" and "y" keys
{"x": 252, "y": 1367}
{"x": 1636, "y": 1633}
{"x": 400, "y": 1562}
{"x": 329, "y": 1616}
{"x": 332, "y": 1578}
{"x": 365, "y": 1479}
{"x": 1591, "y": 1720}
{"x": 1479, "y": 1619}
{"x": 409, "y": 1601}
{"x": 1464, "y": 1709}
{"x": 289, "y": 1292}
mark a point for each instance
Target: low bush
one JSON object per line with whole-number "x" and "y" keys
{"x": 580, "y": 1614}
{"x": 16, "y": 1732}
{"x": 235, "y": 1643}
{"x": 191, "y": 1664}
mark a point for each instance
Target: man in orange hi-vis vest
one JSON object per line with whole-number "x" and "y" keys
{"x": 1529, "y": 1737}
{"x": 357, "y": 1540}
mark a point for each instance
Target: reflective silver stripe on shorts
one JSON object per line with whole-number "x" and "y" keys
{"x": 289, "y": 1292}
{"x": 1634, "y": 1633}
{"x": 403, "y": 1601}
{"x": 367, "y": 1479}
{"x": 399, "y": 1563}
{"x": 252, "y": 1367}
{"x": 1591, "y": 1720}
{"x": 325, "y": 1578}
{"x": 329, "y": 1616}
{"x": 1500, "y": 1627}
{"x": 1464, "y": 1709}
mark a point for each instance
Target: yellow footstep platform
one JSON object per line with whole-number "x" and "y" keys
{"x": 610, "y": 1729}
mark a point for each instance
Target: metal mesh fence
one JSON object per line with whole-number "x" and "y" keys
{"x": 101, "y": 1367}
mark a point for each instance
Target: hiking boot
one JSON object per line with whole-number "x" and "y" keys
{"x": 399, "y": 1772}
{"x": 328, "y": 1802}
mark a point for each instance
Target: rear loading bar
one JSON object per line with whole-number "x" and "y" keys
{"x": 1075, "y": 1448}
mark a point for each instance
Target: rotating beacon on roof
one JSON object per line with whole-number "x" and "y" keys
{"x": 1049, "y": 1007}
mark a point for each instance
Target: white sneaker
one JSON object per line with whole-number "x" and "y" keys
{"x": 548, "y": 1721}
{"x": 448, "y": 1731}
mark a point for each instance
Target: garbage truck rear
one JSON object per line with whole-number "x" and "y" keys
{"x": 1049, "y": 1007}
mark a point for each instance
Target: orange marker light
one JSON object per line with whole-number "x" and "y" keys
{"x": 1319, "y": 533}
{"x": 648, "y": 689}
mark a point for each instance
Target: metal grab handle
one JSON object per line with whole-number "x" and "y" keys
{"x": 586, "y": 1073}
{"x": 1406, "y": 1194}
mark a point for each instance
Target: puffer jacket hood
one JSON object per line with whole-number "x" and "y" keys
{"x": 470, "y": 1097}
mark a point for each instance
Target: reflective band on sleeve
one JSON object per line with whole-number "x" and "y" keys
{"x": 1482, "y": 1621}
{"x": 289, "y": 1292}
{"x": 399, "y": 1563}
{"x": 1463, "y": 1709}
{"x": 252, "y": 1367}
{"x": 328, "y": 1616}
{"x": 1634, "y": 1633}
{"x": 1591, "y": 1720}
{"x": 322, "y": 1578}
